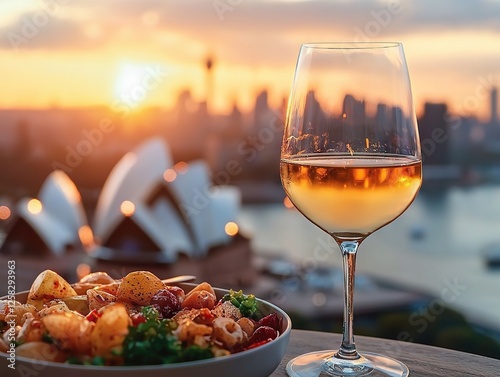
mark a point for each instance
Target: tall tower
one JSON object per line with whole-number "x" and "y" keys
{"x": 494, "y": 105}
{"x": 209, "y": 63}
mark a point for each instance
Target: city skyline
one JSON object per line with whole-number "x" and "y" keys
{"x": 186, "y": 106}
{"x": 191, "y": 131}
{"x": 55, "y": 53}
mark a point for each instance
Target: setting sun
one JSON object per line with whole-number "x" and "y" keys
{"x": 134, "y": 83}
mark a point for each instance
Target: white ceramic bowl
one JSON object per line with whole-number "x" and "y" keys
{"x": 257, "y": 362}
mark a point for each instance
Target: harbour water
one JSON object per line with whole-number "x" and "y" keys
{"x": 436, "y": 247}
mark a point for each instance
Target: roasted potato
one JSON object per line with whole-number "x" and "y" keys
{"x": 97, "y": 278}
{"x": 110, "y": 330}
{"x": 138, "y": 287}
{"x": 47, "y": 286}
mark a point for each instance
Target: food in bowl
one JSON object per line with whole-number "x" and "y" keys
{"x": 136, "y": 320}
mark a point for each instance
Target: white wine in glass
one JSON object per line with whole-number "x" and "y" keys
{"x": 350, "y": 163}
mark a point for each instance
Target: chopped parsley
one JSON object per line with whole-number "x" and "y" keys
{"x": 246, "y": 303}
{"x": 152, "y": 342}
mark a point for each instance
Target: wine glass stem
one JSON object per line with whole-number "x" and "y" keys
{"x": 348, "y": 348}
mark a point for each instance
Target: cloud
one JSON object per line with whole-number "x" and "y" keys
{"x": 40, "y": 30}
{"x": 455, "y": 14}
{"x": 252, "y": 32}
{"x": 279, "y": 17}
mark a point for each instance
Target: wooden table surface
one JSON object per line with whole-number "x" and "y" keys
{"x": 422, "y": 360}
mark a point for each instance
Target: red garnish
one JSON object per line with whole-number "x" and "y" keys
{"x": 36, "y": 324}
{"x": 137, "y": 319}
{"x": 270, "y": 320}
{"x": 204, "y": 317}
{"x": 93, "y": 315}
{"x": 258, "y": 344}
{"x": 263, "y": 333}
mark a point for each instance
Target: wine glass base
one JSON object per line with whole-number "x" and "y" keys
{"x": 323, "y": 363}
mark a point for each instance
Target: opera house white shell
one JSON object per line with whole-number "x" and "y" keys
{"x": 175, "y": 207}
{"x": 62, "y": 200}
{"x": 56, "y": 216}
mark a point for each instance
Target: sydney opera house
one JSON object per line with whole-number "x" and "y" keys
{"x": 150, "y": 214}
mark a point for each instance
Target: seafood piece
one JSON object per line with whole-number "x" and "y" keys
{"x": 99, "y": 299}
{"x": 247, "y": 325}
{"x": 111, "y": 288}
{"x": 31, "y": 330}
{"x": 201, "y": 296}
{"x": 189, "y": 330}
{"x": 53, "y": 307}
{"x": 227, "y": 331}
{"x": 41, "y": 351}
{"x": 71, "y": 331}
{"x": 15, "y": 310}
{"x": 110, "y": 330}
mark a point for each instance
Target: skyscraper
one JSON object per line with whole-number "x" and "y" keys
{"x": 209, "y": 90}
{"x": 494, "y": 105}
{"x": 434, "y": 134}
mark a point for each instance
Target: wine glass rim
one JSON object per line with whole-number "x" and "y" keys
{"x": 351, "y": 45}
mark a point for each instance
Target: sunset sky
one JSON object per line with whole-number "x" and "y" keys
{"x": 80, "y": 53}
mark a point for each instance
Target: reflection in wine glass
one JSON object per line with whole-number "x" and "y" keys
{"x": 350, "y": 163}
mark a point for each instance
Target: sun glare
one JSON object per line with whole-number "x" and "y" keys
{"x": 134, "y": 83}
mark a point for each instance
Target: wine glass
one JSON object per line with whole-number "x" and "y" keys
{"x": 351, "y": 164}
